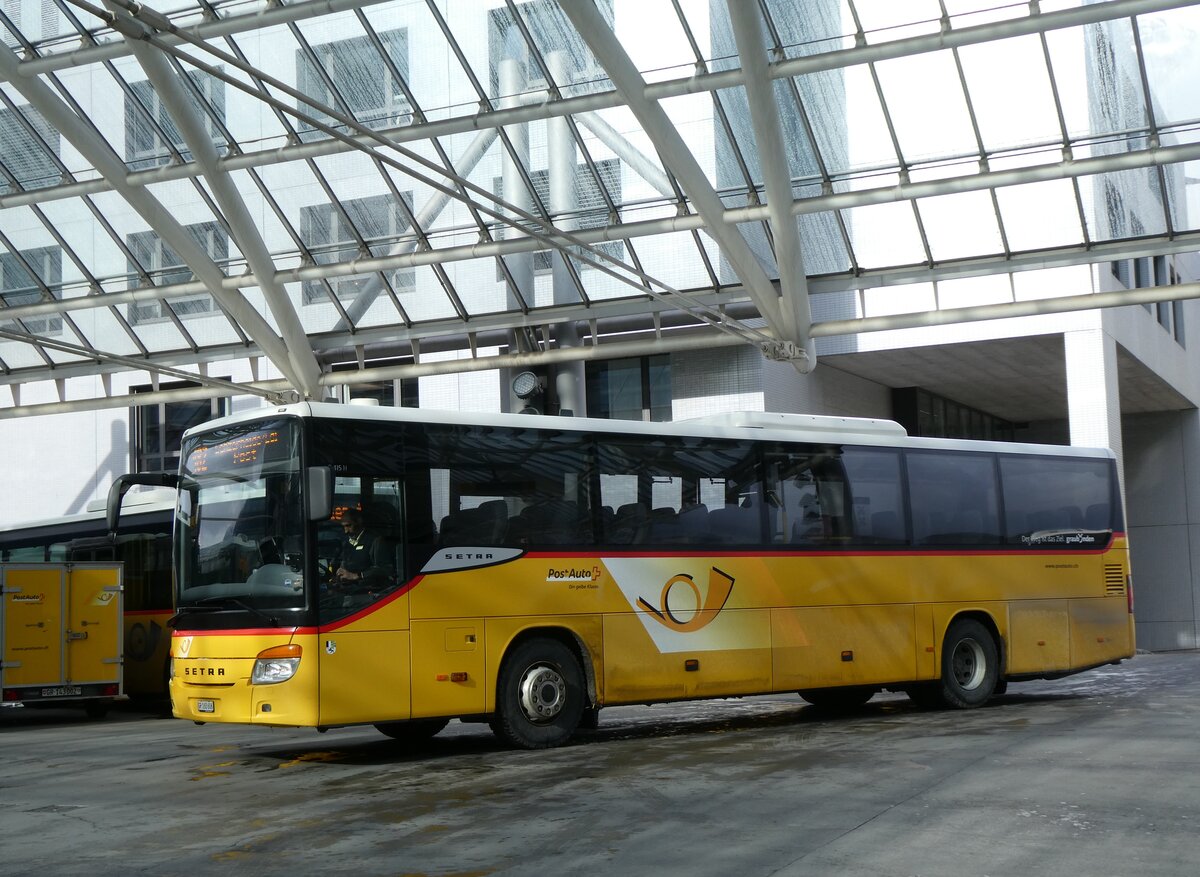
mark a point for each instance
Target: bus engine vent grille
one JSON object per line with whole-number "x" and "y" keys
{"x": 1114, "y": 579}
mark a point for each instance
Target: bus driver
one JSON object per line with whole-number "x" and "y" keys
{"x": 366, "y": 559}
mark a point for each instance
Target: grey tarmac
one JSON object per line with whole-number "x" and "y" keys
{"x": 1094, "y": 774}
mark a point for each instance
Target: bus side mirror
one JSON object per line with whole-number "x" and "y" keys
{"x": 121, "y": 485}
{"x": 320, "y": 492}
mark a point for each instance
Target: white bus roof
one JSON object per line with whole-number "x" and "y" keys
{"x": 756, "y": 425}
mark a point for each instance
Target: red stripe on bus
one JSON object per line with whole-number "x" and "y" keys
{"x": 367, "y": 610}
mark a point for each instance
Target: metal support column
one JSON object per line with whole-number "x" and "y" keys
{"x": 159, "y": 218}
{"x": 569, "y": 380}
{"x": 512, "y": 81}
{"x": 675, "y": 152}
{"x": 303, "y": 363}
{"x": 768, "y": 133}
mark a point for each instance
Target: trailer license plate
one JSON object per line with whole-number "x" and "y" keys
{"x": 205, "y": 706}
{"x": 62, "y": 691}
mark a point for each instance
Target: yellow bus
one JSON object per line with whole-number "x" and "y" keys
{"x": 528, "y": 571}
{"x": 143, "y": 547}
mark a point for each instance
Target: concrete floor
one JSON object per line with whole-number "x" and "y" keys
{"x": 1095, "y": 774}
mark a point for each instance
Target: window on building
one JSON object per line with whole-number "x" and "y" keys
{"x": 19, "y": 286}
{"x": 403, "y": 393}
{"x": 548, "y": 26}
{"x": 924, "y": 413}
{"x": 367, "y": 86}
{"x": 150, "y": 131}
{"x": 158, "y": 429}
{"x": 152, "y": 257}
{"x": 29, "y": 156}
{"x": 379, "y": 219}
{"x": 630, "y": 389}
{"x": 591, "y": 207}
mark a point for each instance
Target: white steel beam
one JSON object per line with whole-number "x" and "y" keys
{"x": 1008, "y": 310}
{"x": 91, "y": 357}
{"x": 613, "y": 315}
{"x": 301, "y": 361}
{"x": 428, "y": 214}
{"x": 542, "y": 107}
{"x": 404, "y": 255}
{"x": 159, "y": 218}
{"x": 777, "y": 177}
{"x": 676, "y": 154}
{"x": 270, "y": 15}
{"x": 640, "y": 163}
{"x": 699, "y": 339}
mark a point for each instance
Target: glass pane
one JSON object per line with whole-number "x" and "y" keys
{"x": 1169, "y": 41}
{"x": 1018, "y": 107}
{"x": 914, "y": 85}
{"x": 954, "y": 498}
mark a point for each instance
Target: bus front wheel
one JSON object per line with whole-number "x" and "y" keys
{"x": 970, "y": 665}
{"x": 540, "y": 696}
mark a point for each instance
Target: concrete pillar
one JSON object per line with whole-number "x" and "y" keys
{"x": 1093, "y": 392}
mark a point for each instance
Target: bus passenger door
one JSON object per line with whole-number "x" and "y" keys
{"x": 363, "y": 643}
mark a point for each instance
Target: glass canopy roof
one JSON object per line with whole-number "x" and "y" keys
{"x": 374, "y": 184}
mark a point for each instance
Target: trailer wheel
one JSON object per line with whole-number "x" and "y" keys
{"x": 540, "y": 695}
{"x": 970, "y": 665}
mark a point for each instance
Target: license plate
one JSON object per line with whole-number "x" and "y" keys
{"x": 62, "y": 691}
{"x": 206, "y": 706}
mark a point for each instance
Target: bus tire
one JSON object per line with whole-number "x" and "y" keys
{"x": 539, "y": 696}
{"x": 970, "y": 665}
{"x": 414, "y": 731}
{"x": 839, "y": 700}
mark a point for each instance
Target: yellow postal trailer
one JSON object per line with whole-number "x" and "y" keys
{"x": 61, "y": 635}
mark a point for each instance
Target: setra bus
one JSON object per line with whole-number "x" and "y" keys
{"x": 535, "y": 569}
{"x": 143, "y": 547}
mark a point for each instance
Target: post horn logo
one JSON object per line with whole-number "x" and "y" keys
{"x": 720, "y": 585}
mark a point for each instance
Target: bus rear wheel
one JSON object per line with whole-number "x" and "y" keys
{"x": 414, "y": 731}
{"x": 970, "y": 665}
{"x": 540, "y": 696}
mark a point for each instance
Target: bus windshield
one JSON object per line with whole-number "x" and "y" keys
{"x": 240, "y": 528}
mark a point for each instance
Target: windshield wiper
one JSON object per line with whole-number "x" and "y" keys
{"x": 207, "y": 604}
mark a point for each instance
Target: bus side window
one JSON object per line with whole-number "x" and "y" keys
{"x": 806, "y": 498}
{"x": 954, "y": 498}
{"x": 879, "y": 513}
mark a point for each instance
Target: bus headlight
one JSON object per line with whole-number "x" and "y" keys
{"x": 277, "y": 664}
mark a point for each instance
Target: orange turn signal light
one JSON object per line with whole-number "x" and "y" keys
{"x": 291, "y": 650}
{"x": 451, "y": 677}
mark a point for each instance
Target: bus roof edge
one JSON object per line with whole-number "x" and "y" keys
{"x": 802, "y": 423}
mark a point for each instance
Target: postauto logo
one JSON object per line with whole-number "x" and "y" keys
{"x": 703, "y": 607}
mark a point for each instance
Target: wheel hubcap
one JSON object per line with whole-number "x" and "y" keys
{"x": 969, "y": 664}
{"x": 543, "y": 693}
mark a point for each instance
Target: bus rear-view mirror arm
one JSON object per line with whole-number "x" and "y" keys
{"x": 121, "y": 485}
